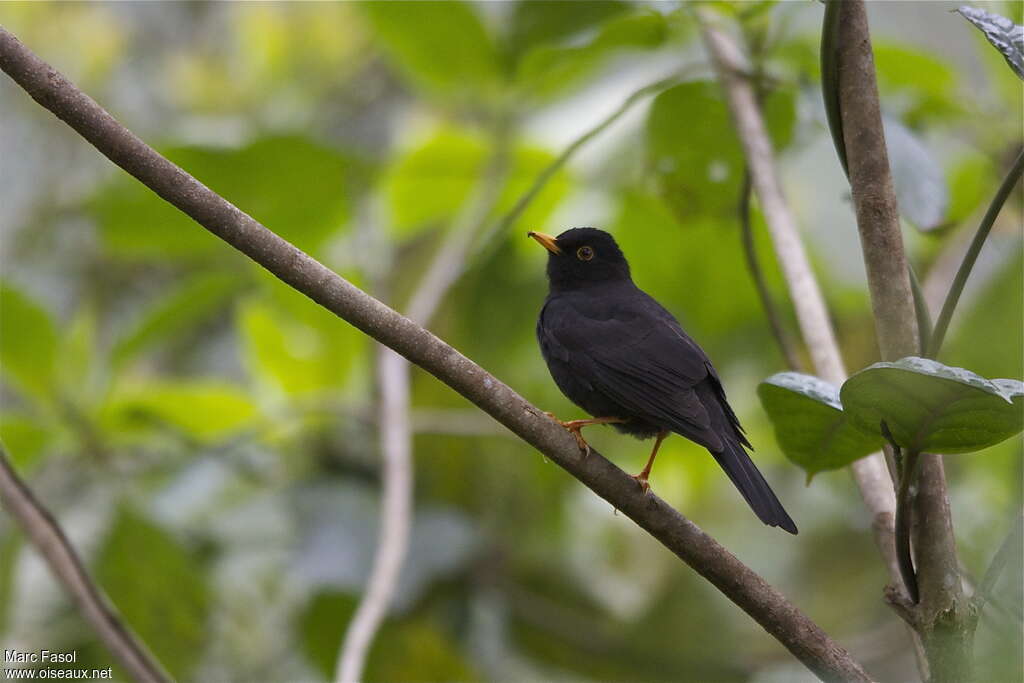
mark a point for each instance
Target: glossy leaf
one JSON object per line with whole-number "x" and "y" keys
{"x": 920, "y": 184}
{"x": 693, "y": 150}
{"x": 159, "y": 588}
{"x": 28, "y": 342}
{"x": 931, "y": 407}
{"x": 1004, "y": 35}
{"x": 292, "y": 185}
{"x": 810, "y": 426}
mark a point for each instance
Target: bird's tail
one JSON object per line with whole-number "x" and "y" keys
{"x": 748, "y": 479}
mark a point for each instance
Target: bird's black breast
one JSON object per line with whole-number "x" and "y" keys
{"x": 615, "y": 352}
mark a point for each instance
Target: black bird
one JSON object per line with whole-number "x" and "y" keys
{"x": 619, "y": 355}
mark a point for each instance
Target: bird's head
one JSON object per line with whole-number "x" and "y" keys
{"x": 582, "y": 256}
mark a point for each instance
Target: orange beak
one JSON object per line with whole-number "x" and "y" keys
{"x": 546, "y": 241}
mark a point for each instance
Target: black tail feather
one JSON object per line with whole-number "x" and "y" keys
{"x": 748, "y": 479}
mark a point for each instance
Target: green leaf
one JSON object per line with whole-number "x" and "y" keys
{"x": 24, "y": 437}
{"x": 693, "y": 150}
{"x": 413, "y": 649}
{"x": 442, "y": 46}
{"x": 971, "y": 180}
{"x": 78, "y": 363}
{"x": 159, "y": 587}
{"x": 293, "y": 355}
{"x": 931, "y": 407}
{"x": 547, "y": 70}
{"x": 924, "y": 82}
{"x": 810, "y": 426}
{"x": 539, "y": 23}
{"x": 292, "y": 185}
{"x": 177, "y": 312}
{"x": 1004, "y": 35}
{"x": 28, "y": 343}
{"x": 429, "y": 183}
{"x": 205, "y": 410}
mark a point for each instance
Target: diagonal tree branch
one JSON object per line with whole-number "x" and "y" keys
{"x": 802, "y": 637}
{"x": 49, "y": 539}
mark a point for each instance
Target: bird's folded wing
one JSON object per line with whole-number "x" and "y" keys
{"x": 645, "y": 364}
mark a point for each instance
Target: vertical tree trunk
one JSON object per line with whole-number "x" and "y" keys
{"x": 943, "y": 618}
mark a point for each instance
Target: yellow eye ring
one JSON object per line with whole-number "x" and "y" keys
{"x": 584, "y": 253}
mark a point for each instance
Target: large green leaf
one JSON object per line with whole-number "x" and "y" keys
{"x": 442, "y": 46}
{"x": 810, "y": 425}
{"x": 931, "y": 407}
{"x": 205, "y": 410}
{"x": 178, "y": 311}
{"x": 292, "y": 185}
{"x": 693, "y": 150}
{"x": 159, "y": 587}
{"x": 550, "y": 69}
{"x": 28, "y": 342}
{"x": 546, "y": 23}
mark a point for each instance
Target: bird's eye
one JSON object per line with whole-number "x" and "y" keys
{"x": 584, "y": 253}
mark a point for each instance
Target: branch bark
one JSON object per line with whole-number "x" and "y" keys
{"x": 749, "y": 591}
{"x": 945, "y": 619}
{"x": 49, "y": 539}
{"x": 870, "y": 473}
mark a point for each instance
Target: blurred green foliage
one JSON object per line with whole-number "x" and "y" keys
{"x": 175, "y": 405}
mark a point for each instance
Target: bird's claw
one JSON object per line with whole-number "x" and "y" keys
{"x": 574, "y": 428}
{"x": 641, "y": 480}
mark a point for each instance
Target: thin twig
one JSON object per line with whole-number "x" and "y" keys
{"x": 801, "y": 636}
{"x": 771, "y": 312}
{"x": 395, "y": 517}
{"x": 43, "y": 531}
{"x": 502, "y": 226}
{"x": 396, "y": 426}
{"x": 904, "y": 510}
{"x": 964, "y": 272}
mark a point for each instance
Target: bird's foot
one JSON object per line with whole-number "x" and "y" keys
{"x": 574, "y": 427}
{"x": 641, "y": 479}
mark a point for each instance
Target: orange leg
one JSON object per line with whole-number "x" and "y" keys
{"x": 574, "y": 427}
{"x": 646, "y": 471}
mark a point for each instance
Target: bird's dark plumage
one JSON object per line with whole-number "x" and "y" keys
{"x": 616, "y": 352}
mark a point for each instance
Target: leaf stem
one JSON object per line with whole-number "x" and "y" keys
{"x": 904, "y": 504}
{"x": 757, "y": 274}
{"x": 957, "y": 288}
